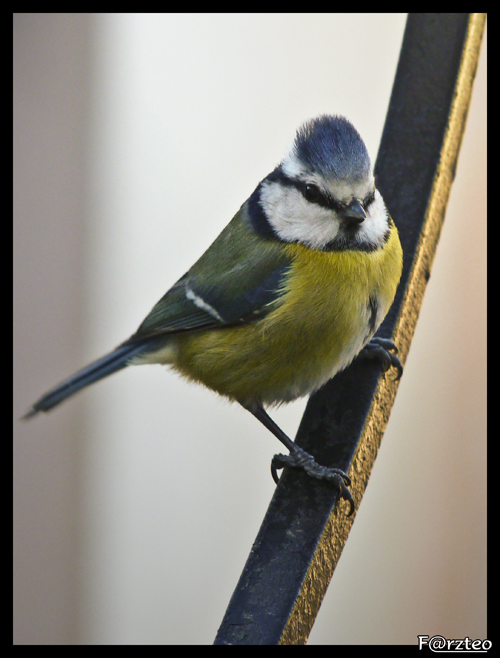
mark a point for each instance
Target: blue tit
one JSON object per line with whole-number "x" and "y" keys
{"x": 291, "y": 291}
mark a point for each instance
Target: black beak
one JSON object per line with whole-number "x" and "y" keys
{"x": 354, "y": 213}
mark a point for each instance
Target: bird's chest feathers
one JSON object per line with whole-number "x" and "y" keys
{"x": 334, "y": 303}
{"x": 326, "y": 287}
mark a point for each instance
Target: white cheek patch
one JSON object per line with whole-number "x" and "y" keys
{"x": 296, "y": 220}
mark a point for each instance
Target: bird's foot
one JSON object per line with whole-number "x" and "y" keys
{"x": 299, "y": 458}
{"x": 385, "y": 351}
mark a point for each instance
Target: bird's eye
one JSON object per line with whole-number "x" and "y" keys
{"x": 369, "y": 199}
{"x": 311, "y": 192}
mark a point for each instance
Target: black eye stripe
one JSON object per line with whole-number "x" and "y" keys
{"x": 321, "y": 199}
{"x": 367, "y": 201}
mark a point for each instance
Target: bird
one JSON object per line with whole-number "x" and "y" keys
{"x": 289, "y": 294}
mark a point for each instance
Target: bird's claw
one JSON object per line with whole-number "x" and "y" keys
{"x": 385, "y": 351}
{"x": 301, "y": 459}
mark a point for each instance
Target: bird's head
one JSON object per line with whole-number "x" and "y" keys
{"x": 323, "y": 192}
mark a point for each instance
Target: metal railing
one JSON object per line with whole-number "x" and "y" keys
{"x": 303, "y": 533}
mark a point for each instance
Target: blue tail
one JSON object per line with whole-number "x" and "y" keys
{"x": 112, "y": 362}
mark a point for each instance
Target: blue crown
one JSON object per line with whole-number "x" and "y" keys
{"x": 331, "y": 146}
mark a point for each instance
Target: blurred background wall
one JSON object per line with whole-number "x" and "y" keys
{"x": 136, "y": 139}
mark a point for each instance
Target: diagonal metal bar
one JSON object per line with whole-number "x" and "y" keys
{"x": 302, "y": 536}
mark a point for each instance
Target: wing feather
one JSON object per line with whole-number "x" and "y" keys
{"x": 239, "y": 279}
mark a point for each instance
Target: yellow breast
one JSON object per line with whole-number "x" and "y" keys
{"x": 333, "y": 303}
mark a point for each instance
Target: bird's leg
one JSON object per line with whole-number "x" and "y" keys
{"x": 384, "y": 350}
{"x": 299, "y": 458}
